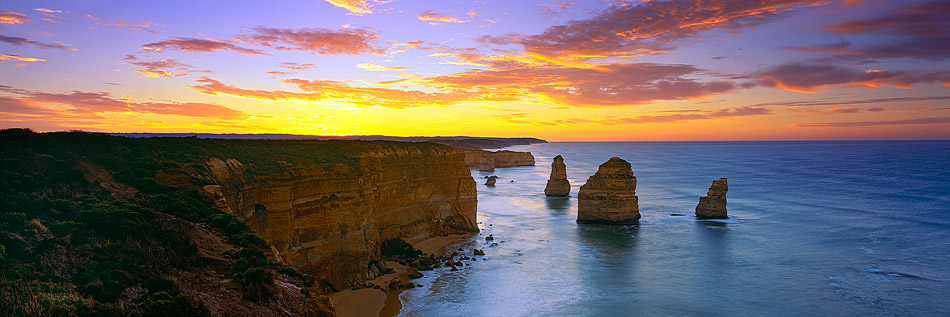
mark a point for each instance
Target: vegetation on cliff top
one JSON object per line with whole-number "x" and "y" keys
{"x": 93, "y": 224}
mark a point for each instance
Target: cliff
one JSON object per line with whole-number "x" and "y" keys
{"x": 489, "y": 160}
{"x": 558, "y": 185}
{"x": 329, "y": 221}
{"x": 714, "y": 204}
{"x": 185, "y": 226}
{"x": 609, "y": 196}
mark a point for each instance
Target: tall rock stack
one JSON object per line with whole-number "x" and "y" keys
{"x": 714, "y": 204}
{"x": 610, "y": 195}
{"x": 558, "y": 185}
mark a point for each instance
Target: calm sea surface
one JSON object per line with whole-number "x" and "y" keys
{"x": 816, "y": 228}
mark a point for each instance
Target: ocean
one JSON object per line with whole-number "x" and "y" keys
{"x": 834, "y": 228}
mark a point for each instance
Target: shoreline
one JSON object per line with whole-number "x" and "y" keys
{"x": 377, "y": 302}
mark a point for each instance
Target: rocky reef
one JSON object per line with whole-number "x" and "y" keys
{"x": 558, "y": 185}
{"x": 330, "y": 220}
{"x": 713, "y": 206}
{"x": 487, "y": 161}
{"x": 609, "y": 196}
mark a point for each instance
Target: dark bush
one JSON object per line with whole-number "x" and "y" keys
{"x": 64, "y": 228}
{"x": 397, "y": 247}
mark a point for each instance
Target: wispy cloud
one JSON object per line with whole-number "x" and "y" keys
{"x": 644, "y": 119}
{"x": 162, "y": 67}
{"x": 330, "y": 91}
{"x": 820, "y": 103}
{"x": 650, "y": 27}
{"x": 79, "y": 103}
{"x": 557, "y": 9}
{"x": 921, "y": 31}
{"x": 357, "y": 7}
{"x": 803, "y": 77}
{"x": 934, "y": 120}
{"x": 435, "y": 17}
{"x": 380, "y": 68}
{"x": 8, "y": 57}
{"x": 189, "y": 44}
{"x": 350, "y": 41}
{"x": 25, "y": 41}
{"x": 605, "y": 85}
{"x": 10, "y": 17}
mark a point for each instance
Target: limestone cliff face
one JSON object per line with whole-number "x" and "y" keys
{"x": 329, "y": 221}
{"x": 558, "y": 185}
{"x": 610, "y": 195}
{"x": 714, "y": 204}
{"x": 487, "y": 160}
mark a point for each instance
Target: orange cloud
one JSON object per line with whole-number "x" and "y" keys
{"x": 77, "y": 103}
{"x": 338, "y": 92}
{"x": 315, "y": 40}
{"x": 189, "y": 44}
{"x": 357, "y": 7}
{"x": 10, "y": 17}
{"x": 8, "y": 57}
{"x": 820, "y": 103}
{"x": 380, "y": 68}
{"x": 435, "y": 17}
{"x": 813, "y": 77}
{"x": 25, "y": 41}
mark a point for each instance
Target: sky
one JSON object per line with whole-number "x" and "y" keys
{"x": 599, "y": 70}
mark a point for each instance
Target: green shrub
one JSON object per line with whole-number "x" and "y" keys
{"x": 63, "y": 228}
{"x": 3, "y": 252}
{"x": 250, "y": 239}
{"x": 167, "y": 303}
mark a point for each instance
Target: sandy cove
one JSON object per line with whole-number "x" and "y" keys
{"x": 376, "y": 302}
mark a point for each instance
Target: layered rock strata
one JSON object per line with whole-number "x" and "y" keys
{"x": 610, "y": 195}
{"x": 487, "y": 161}
{"x": 714, "y": 204}
{"x": 558, "y": 185}
{"x": 330, "y": 220}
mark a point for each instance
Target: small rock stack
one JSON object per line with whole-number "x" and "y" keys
{"x": 610, "y": 195}
{"x": 558, "y": 185}
{"x": 491, "y": 180}
{"x": 714, "y": 204}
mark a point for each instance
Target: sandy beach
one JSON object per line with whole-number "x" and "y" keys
{"x": 376, "y": 302}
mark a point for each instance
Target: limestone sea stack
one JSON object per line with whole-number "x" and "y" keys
{"x": 610, "y": 195}
{"x": 714, "y": 204}
{"x": 558, "y": 185}
{"x": 491, "y": 180}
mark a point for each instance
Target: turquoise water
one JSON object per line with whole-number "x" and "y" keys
{"x": 816, "y": 228}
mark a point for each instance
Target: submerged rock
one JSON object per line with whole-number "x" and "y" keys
{"x": 558, "y": 185}
{"x": 714, "y": 204}
{"x": 491, "y": 180}
{"x": 610, "y": 195}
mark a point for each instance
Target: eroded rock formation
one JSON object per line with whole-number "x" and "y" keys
{"x": 558, "y": 185}
{"x": 487, "y": 161}
{"x": 610, "y": 195}
{"x": 490, "y": 180}
{"x": 330, "y": 220}
{"x": 714, "y": 204}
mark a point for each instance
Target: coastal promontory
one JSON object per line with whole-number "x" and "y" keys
{"x": 610, "y": 195}
{"x": 558, "y": 185}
